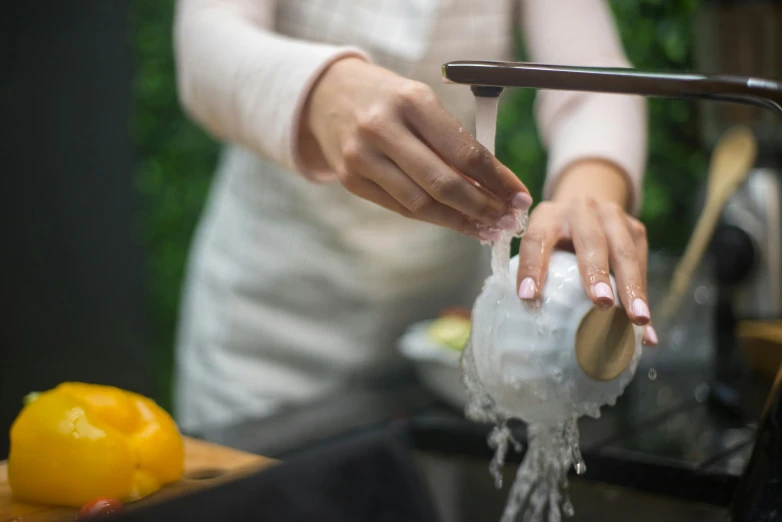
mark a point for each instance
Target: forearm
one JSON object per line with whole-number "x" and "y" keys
{"x": 578, "y": 126}
{"x": 242, "y": 82}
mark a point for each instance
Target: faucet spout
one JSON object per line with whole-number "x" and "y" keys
{"x": 737, "y": 89}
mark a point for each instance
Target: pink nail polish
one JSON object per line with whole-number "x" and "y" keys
{"x": 527, "y": 288}
{"x": 521, "y": 201}
{"x": 641, "y": 310}
{"x": 603, "y": 294}
{"x": 507, "y": 222}
{"x": 651, "y": 335}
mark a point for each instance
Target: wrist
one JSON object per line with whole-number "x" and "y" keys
{"x": 321, "y": 100}
{"x": 332, "y": 86}
{"x": 593, "y": 178}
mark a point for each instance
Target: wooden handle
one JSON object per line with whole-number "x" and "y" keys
{"x": 730, "y": 164}
{"x": 766, "y": 331}
{"x": 696, "y": 248}
{"x": 605, "y": 343}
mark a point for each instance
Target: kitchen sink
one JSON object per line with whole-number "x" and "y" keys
{"x": 463, "y": 491}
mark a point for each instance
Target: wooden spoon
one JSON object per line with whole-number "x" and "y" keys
{"x": 731, "y": 161}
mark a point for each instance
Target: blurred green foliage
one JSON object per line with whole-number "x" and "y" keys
{"x": 657, "y": 36}
{"x": 175, "y": 170}
{"x": 177, "y": 158}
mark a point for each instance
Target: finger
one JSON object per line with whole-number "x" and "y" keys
{"x": 389, "y": 179}
{"x": 623, "y": 256}
{"x": 458, "y": 148}
{"x": 371, "y": 191}
{"x": 650, "y": 335}
{"x": 444, "y": 184}
{"x": 631, "y": 263}
{"x": 638, "y": 231}
{"x": 591, "y": 246}
{"x": 543, "y": 231}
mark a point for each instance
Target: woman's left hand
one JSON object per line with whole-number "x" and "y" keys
{"x": 605, "y": 239}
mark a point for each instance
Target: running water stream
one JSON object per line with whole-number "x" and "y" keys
{"x": 539, "y": 491}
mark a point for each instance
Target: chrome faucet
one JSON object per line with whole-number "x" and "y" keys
{"x": 490, "y": 78}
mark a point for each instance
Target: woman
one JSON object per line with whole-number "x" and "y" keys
{"x": 339, "y": 214}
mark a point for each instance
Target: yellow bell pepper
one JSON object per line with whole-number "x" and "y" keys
{"x": 79, "y": 441}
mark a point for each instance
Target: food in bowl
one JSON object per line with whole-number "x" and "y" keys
{"x": 451, "y": 330}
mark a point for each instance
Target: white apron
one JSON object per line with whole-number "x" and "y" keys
{"x": 295, "y": 289}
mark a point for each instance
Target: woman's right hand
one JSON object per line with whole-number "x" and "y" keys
{"x": 391, "y": 141}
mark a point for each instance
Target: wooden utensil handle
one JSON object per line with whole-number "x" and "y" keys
{"x": 696, "y": 248}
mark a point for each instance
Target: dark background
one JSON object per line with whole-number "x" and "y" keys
{"x": 71, "y": 270}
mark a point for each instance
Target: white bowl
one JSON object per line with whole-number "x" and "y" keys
{"x": 436, "y": 365}
{"x": 525, "y": 355}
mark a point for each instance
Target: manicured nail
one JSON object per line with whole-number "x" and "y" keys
{"x": 527, "y": 288}
{"x": 651, "y": 335}
{"x": 489, "y": 234}
{"x": 603, "y": 294}
{"x": 641, "y": 311}
{"x": 507, "y": 222}
{"x": 521, "y": 201}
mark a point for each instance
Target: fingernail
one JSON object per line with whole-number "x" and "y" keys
{"x": 489, "y": 234}
{"x": 641, "y": 311}
{"x": 507, "y": 222}
{"x": 603, "y": 294}
{"x": 521, "y": 201}
{"x": 651, "y": 335}
{"x": 527, "y": 288}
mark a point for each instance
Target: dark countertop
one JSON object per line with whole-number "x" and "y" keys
{"x": 663, "y": 436}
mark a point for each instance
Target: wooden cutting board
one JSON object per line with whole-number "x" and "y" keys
{"x": 762, "y": 343}
{"x": 205, "y": 464}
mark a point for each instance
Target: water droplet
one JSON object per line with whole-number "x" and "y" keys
{"x": 702, "y": 295}
{"x": 496, "y": 474}
{"x": 567, "y": 508}
{"x": 578, "y": 460}
{"x": 702, "y": 392}
{"x": 652, "y": 374}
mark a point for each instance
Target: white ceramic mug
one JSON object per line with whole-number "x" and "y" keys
{"x": 525, "y": 355}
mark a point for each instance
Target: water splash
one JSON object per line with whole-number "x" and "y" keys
{"x": 499, "y": 440}
{"x": 485, "y": 133}
{"x": 540, "y": 489}
{"x": 532, "y": 386}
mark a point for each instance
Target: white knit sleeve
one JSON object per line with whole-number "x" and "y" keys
{"x": 241, "y": 81}
{"x": 577, "y": 125}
